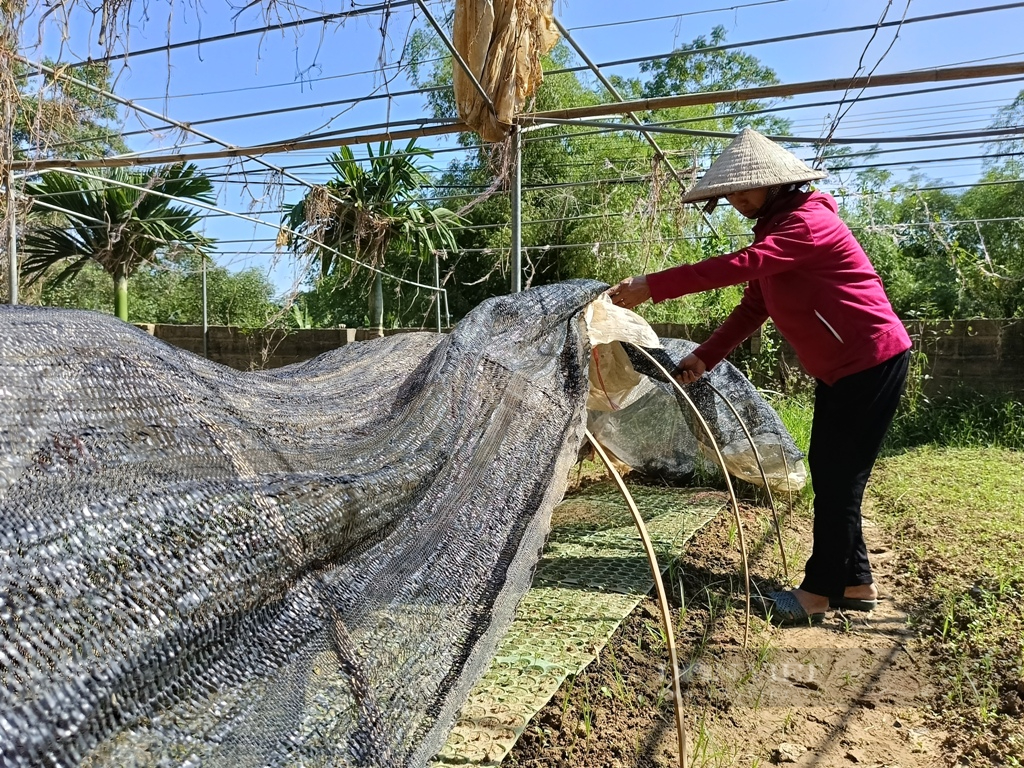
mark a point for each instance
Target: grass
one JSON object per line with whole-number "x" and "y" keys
{"x": 956, "y": 516}
{"x": 796, "y": 413}
{"x": 960, "y": 420}
{"x": 709, "y": 752}
{"x": 949, "y": 490}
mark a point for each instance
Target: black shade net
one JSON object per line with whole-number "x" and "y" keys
{"x": 659, "y": 436}
{"x": 304, "y": 566}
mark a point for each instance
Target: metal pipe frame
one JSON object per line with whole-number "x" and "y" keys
{"x": 12, "y": 241}
{"x": 658, "y": 152}
{"x": 517, "y": 210}
{"x": 456, "y": 55}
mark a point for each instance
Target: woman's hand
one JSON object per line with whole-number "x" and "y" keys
{"x": 690, "y": 369}
{"x": 630, "y": 292}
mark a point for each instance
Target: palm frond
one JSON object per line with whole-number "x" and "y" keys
{"x": 116, "y": 226}
{"x": 372, "y": 208}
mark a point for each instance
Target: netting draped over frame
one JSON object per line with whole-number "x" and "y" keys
{"x": 658, "y": 436}
{"x": 502, "y": 42}
{"x": 304, "y": 566}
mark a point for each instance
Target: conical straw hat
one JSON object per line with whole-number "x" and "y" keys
{"x": 749, "y": 162}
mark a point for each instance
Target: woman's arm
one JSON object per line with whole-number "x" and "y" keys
{"x": 783, "y": 249}
{"x": 747, "y": 317}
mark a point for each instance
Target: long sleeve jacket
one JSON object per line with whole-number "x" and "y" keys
{"x": 806, "y": 271}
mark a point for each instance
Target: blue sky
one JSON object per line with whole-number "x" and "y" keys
{"x": 297, "y": 68}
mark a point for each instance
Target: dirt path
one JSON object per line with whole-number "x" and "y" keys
{"x": 849, "y": 692}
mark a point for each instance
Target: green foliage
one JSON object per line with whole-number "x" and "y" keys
{"x": 430, "y": 66}
{"x": 59, "y": 118}
{"x": 117, "y": 227}
{"x": 957, "y": 517}
{"x": 797, "y": 413}
{"x": 370, "y": 214}
{"x": 336, "y": 300}
{"x": 934, "y": 267}
{"x": 700, "y": 67}
{"x": 601, "y": 207}
{"x": 595, "y": 204}
{"x": 1009, "y": 116}
{"x": 299, "y": 316}
{"x": 996, "y": 248}
{"x": 946, "y": 254}
{"x": 962, "y": 419}
{"x": 172, "y": 293}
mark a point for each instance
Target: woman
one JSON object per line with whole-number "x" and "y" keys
{"x": 807, "y": 272}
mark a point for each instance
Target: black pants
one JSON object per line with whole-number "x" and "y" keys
{"x": 851, "y": 418}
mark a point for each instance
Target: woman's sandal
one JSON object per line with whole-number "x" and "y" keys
{"x": 784, "y": 610}
{"x": 852, "y": 604}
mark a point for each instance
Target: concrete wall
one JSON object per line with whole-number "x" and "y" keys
{"x": 985, "y": 356}
{"x": 257, "y": 349}
{"x": 982, "y": 355}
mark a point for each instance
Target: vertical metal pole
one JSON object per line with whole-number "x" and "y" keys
{"x": 517, "y": 209}
{"x": 377, "y": 305}
{"x": 206, "y": 318}
{"x": 632, "y": 116}
{"x": 437, "y": 284}
{"x": 12, "y": 243}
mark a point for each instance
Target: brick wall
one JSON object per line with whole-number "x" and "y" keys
{"x": 264, "y": 348}
{"x": 983, "y": 355}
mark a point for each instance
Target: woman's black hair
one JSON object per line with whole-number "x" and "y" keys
{"x": 771, "y": 198}
{"x": 776, "y": 196}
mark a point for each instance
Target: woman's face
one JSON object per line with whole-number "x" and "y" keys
{"x": 749, "y": 201}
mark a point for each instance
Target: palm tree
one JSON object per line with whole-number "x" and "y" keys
{"x": 369, "y": 212}
{"x": 118, "y": 227}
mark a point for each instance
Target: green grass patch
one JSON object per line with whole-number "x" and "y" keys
{"x": 796, "y": 414}
{"x": 957, "y": 519}
{"x": 959, "y": 420}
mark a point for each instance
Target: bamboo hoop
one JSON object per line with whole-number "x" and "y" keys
{"x": 764, "y": 476}
{"x": 659, "y": 587}
{"x": 728, "y": 484}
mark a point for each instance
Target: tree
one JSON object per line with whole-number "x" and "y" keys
{"x": 995, "y": 239}
{"x": 1009, "y": 116}
{"x": 56, "y": 117}
{"x": 595, "y": 204}
{"x": 701, "y": 66}
{"x": 370, "y": 213}
{"x": 117, "y": 227}
{"x": 945, "y": 254}
{"x": 171, "y": 292}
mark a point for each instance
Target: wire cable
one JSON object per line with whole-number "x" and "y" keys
{"x": 745, "y": 236}
{"x": 723, "y": 9}
{"x": 840, "y": 114}
{"x": 278, "y": 26}
{"x": 682, "y": 121}
{"x": 790, "y": 38}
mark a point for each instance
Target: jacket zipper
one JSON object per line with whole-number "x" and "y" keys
{"x": 833, "y": 330}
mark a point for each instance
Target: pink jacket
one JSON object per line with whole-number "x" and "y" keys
{"x": 806, "y": 271}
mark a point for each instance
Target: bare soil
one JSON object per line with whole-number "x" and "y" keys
{"x": 854, "y": 691}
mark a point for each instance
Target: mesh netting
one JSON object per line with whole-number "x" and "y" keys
{"x": 305, "y": 566}
{"x": 656, "y": 433}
